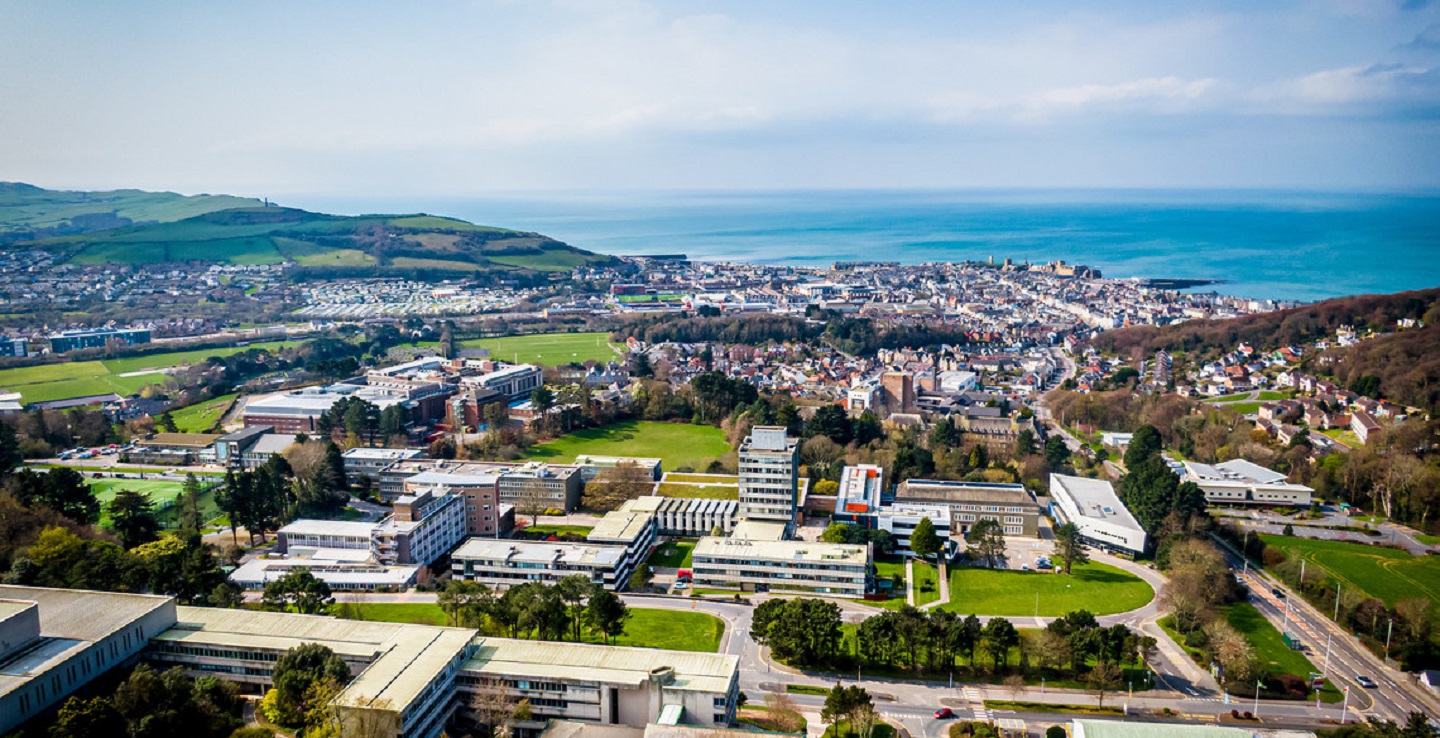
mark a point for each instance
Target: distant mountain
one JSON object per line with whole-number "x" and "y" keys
{"x": 28, "y": 212}
{"x": 331, "y": 245}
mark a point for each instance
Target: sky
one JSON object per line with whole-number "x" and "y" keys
{"x": 475, "y": 97}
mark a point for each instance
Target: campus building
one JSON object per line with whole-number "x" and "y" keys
{"x": 515, "y": 381}
{"x": 1091, "y": 504}
{"x": 687, "y": 516}
{"x": 753, "y": 565}
{"x": 1240, "y": 482}
{"x": 409, "y": 681}
{"x": 769, "y": 471}
{"x": 560, "y": 482}
{"x": 96, "y": 338}
{"x": 422, "y": 527}
{"x": 1017, "y": 511}
{"x": 370, "y": 462}
{"x": 592, "y": 465}
{"x": 613, "y": 550}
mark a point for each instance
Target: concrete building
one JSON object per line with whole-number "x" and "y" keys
{"x": 502, "y": 564}
{"x": 769, "y": 471}
{"x": 515, "y": 382}
{"x": 342, "y": 573}
{"x": 1240, "y": 482}
{"x": 423, "y": 527}
{"x": 484, "y": 513}
{"x": 834, "y": 569}
{"x": 900, "y": 519}
{"x": 897, "y": 391}
{"x": 687, "y": 516}
{"x": 409, "y": 681}
{"x": 859, "y": 494}
{"x": 1017, "y": 511}
{"x": 1092, "y": 506}
{"x": 230, "y": 448}
{"x": 591, "y": 465}
{"x": 1089, "y": 728}
{"x": 96, "y": 338}
{"x": 179, "y": 449}
{"x": 561, "y": 482}
{"x": 337, "y": 534}
{"x": 55, "y": 641}
{"x": 371, "y": 461}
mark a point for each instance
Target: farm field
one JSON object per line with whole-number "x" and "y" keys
{"x": 203, "y": 416}
{"x": 678, "y": 444}
{"x": 550, "y": 349}
{"x": 1384, "y": 573}
{"x": 1100, "y": 588}
{"x": 83, "y": 378}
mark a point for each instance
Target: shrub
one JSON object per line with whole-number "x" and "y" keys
{"x": 1272, "y": 557}
{"x": 1055, "y": 731}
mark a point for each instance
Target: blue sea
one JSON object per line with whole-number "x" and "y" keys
{"x": 1280, "y": 245}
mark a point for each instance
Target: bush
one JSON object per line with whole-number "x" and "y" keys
{"x": 270, "y": 707}
{"x": 1055, "y": 731}
{"x": 1272, "y": 557}
{"x": 1289, "y": 684}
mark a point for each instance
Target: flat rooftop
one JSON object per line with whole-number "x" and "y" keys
{"x": 962, "y": 492}
{"x": 381, "y": 454}
{"x": 620, "y": 526}
{"x": 540, "y": 552}
{"x": 792, "y": 551}
{"x": 343, "y": 528}
{"x": 706, "y": 672}
{"x": 1095, "y": 499}
{"x": 1238, "y": 472}
{"x": 758, "y": 530}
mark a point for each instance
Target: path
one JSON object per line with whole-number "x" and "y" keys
{"x": 910, "y": 582}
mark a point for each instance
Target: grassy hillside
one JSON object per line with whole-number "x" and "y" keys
{"x": 28, "y": 213}
{"x": 355, "y": 244}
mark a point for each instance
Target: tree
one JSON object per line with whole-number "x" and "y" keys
{"x": 226, "y": 594}
{"x": 1145, "y": 443}
{"x": 607, "y": 614}
{"x": 574, "y": 590}
{"x": 132, "y": 516}
{"x": 613, "y": 486}
{"x": 464, "y": 602}
{"x": 88, "y": 718}
{"x": 1152, "y": 493}
{"x": 492, "y": 707}
{"x": 923, "y": 540}
{"x": 784, "y": 715}
{"x": 1024, "y": 444}
{"x": 392, "y": 422}
{"x": 1069, "y": 549}
{"x": 987, "y": 537}
{"x": 830, "y": 421}
{"x": 497, "y": 415}
{"x": 297, "y": 671}
{"x": 542, "y": 398}
{"x": 298, "y": 590}
{"x": 999, "y": 637}
{"x": 843, "y": 703}
{"x": 61, "y": 489}
{"x": 166, "y": 423}
{"x": 1057, "y": 453}
{"x": 1105, "y": 677}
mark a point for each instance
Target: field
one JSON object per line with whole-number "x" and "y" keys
{"x": 926, "y": 575}
{"x": 648, "y": 627}
{"x": 203, "y": 416}
{"x": 673, "y": 555}
{"x": 547, "y": 261}
{"x": 1384, "y": 573}
{"x": 550, "y": 349}
{"x": 1244, "y": 408}
{"x": 1099, "y": 588}
{"x": 84, "y": 378}
{"x": 1265, "y": 639}
{"x": 705, "y": 491}
{"x": 411, "y": 262}
{"x": 678, "y": 444}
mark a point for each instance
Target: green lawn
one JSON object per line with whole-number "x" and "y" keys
{"x": 1344, "y": 436}
{"x": 648, "y": 627}
{"x": 203, "y": 416}
{"x": 185, "y": 358}
{"x": 842, "y": 730}
{"x": 1230, "y": 398}
{"x": 1047, "y": 707}
{"x": 1428, "y": 540}
{"x": 730, "y": 479}
{"x": 83, "y": 378}
{"x": 1385, "y": 573}
{"x": 926, "y": 575}
{"x": 1270, "y": 396}
{"x": 706, "y": 491}
{"x": 159, "y": 490}
{"x": 886, "y": 568}
{"x": 678, "y": 444}
{"x": 1270, "y": 648}
{"x": 557, "y": 530}
{"x": 1244, "y": 408}
{"x": 550, "y": 349}
{"x": 675, "y": 554}
{"x": 1100, "y": 588}
{"x": 807, "y": 689}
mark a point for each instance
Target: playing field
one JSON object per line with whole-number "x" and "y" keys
{"x": 678, "y": 444}
{"x": 1100, "y": 588}
{"x": 84, "y": 378}
{"x": 648, "y": 627}
{"x": 201, "y": 417}
{"x": 550, "y": 349}
{"x": 1385, "y": 573}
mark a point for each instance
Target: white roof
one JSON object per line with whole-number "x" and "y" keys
{"x": 1094, "y": 499}
{"x": 796, "y": 551}
{"x": 345, "y": 528}
{"x": 540, "y": 552}
{"x": 758, "y": 530}
{"x": 382, "y": 453}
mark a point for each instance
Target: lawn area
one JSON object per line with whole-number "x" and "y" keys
{"x": 1270, "y": 396}
{"x": 1230, "y": 398}
{"x": 678, "y": 444}
{"x": 550, "y": 349}
{"x": 1265, "y": 639}
{"x": 1051, "y": 708}
{"x": 1344, "y": 436}
{"x": 887, "y": 568}
{"x": 1428, "y": 539}
{"x": 1100, "y": 588}
{"x": 1244, "y": 408}
{"x": 1385, "y": 573}
{"x": 83, "y": 378}
{"x": 807, "y": 689}
{"x": 700, "y": 478}
{"x": 927, "y": 583}
{"x": 707, "y": 491}
{"x": 558, "y": 530}
{"x": 203, "y": 416}
{"x": 161, "y": 491}
{"x": 185, "y": 358}
{"x": 842, "y": 730}
{"x": 648, "y": 627}
{"x": 674, "y": 554}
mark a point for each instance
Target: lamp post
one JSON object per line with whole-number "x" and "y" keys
{"x": 1258, "y": 685}
{"x": 1336, "y": 618}
{"x": 1389, "y": 631}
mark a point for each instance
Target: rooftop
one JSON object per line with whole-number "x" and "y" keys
{"x": 707, "y": 672}
{"x": 758, "y": 530}
{"x": 540, "y": 552}
{"x": 1094, "y": 498}
{"x": 620, "y": 526}
{"x": 952, "y": 491}
{"x": 349, "y": 529}
{"x": 807, "y": 551}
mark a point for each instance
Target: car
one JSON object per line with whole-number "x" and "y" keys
{"x": 1278, "y": 594}
{"x": 944, "y": 713}
{"x": 1366, "y": 682}
{"x": 681, "y": 585}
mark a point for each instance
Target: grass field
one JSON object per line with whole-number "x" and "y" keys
{"x": 1344, "y": 436}
{"x": 550, "y": 349}
{"x": 1100, "y": 588}
{"x": 1244, "y": 408}
{"x": 675, "y": 554}
{"x": 648, "y": 627}
{"x": 1230, "y": 398}
{"x": 557, "y": 530}
{"x": 83, "y": 378}
{"x": 678, "y": 444}
{"x": 1428, "y": 539}
{"x": 926, "y": 575}
{"x": 1051, "y": 708}
{"x": 707, "y": 491}
{"x": 203, "y": 416}
{"x": 547, "y": 261}
{"x": 1269, "y": 396}
{"x": 807, "y": 689}
{"x": 1270, "y": 649}
{"x": 1384, "y": 573}
{"x": 169, "y": 359}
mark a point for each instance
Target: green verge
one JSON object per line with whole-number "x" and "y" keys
{"x": 1100, "y": 588}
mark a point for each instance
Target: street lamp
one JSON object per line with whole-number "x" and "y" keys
{"x": 1258, "y": 685}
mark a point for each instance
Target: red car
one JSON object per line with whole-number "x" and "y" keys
{"x": 944, "y": 713}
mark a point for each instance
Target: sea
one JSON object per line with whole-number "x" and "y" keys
{"x": 1281, "y": 245}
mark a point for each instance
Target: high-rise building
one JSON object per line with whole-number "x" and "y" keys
{"x": 769, "y": 475}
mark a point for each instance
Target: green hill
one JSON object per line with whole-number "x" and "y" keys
{"x": 334, "y": 245}
{"x": 28, "y": 213}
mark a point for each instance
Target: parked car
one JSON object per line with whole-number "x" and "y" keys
{"x": 1366, "y": 682}
{"x": 944, "y": 713}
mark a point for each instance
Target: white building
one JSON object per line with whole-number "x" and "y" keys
{"x": 502, "y": 564}
{"x": 423, "y": 527}
{"x": 687, "y": 516}
{"x": 515, "y": 381}
{"x": 769, "y": 475}
{"x": 900, "y": 519}
{"x": 591, "y": 465}
{"x": 1092, "y": 506}
{"x": 341, "y": 572}
{"x": 371, "y": 461}
{"x": 1240, "y": 482}
{"x": 835, "y": 569}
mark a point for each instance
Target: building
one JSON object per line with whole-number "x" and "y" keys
{"x": 1089, "y": 728}
{"x": 515, "y": 381}
{"x": 559, "y": 482}
{"x": 409, "y": 680}
{"x": 591, "y": 465}
{"x": 1017, "y": 511}
{"x": 96, "y": 338}
{"x": 180, "y": 449}
{"x": 370, "y": 462}
{"x": 897, "y": 391}
{"x": 899, "y": 520}
{"x": 687, "y": 516}
{"x": 55, "y": 641}
{"x": 1092, "y": 506}
{"x": 14, "y": 347}
{"x": 1240, "y": 482}
{"x": 859, "y": 493}
{"x": 1363, "y": 424}
{"x": 769, "y": 472}
{"x": 423, "y": 527}
{"x": 484, "y": 514}
{"x": 502, "y": 564}
{"x": 297, "y": 411}
{"x": 230, "y": 448}
{"x": 834, "y": 569}
{"x": 324, "y": 534}
{"x": 341, "y": 572}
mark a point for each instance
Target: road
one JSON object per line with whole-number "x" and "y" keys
{"x": 1396, "y": 696}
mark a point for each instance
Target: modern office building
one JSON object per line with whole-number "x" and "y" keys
{"x": 339, "y": 570}
{"x": 1091, "y": 504}
{"x": 900, "y": 519}
{"x": 560, "y": 482}
{"x": 514, "y": 381}
{"x": 95, "y": 338}
{"x": 230, "y": 448}
{"x": 1017, "y": 511}
{"x": 422, "y": 527}
{"x": 769, "y": 472}
{"x": 485, "y": 515}
{"x": 1240, "y": 482}
{"x": 860, "y": 492}
{"x": 591, "y": 465}
{"x": 502, "y": 564}
{"x": 409, "y": 681}
{"x": 834, "y": 569}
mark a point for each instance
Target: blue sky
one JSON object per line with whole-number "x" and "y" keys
{"x": 456, "y": 98}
